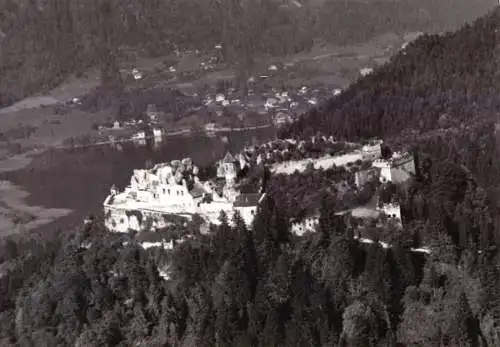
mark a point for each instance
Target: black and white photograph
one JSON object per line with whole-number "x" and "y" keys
{"x": 249, "y": 173}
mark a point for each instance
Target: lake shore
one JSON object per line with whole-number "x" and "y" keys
{"x": 15, "y": 215}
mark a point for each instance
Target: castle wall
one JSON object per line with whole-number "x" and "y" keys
{"x": 122, "y": 220}
{"x": 397, "y": 170}
{"x": 177, "y": 196}
{"x": 385, "y": 174}
{"x": 392, "y": 211}
{"x": 372, "y": 152}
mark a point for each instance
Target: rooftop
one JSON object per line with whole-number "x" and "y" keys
{"x": 228, "y": 158}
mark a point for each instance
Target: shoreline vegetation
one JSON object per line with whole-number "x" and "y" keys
{"x": 182, "y": 132}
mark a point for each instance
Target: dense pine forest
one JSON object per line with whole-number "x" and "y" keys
{"x": 264, "y": 286}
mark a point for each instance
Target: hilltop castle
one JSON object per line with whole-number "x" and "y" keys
{"x": 175, "y": 189}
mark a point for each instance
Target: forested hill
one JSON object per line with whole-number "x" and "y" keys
{"x": 39, "y": 39}
{"x": 454, "y": 74}
{"x": 440, "y": 90}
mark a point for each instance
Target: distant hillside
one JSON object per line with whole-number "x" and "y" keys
{"x": 446, "y": 84}
{"x": 42, "y": 42}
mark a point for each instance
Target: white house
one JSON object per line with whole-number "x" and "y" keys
{"x": 136, "y": 74}
{"x": 365, "y": 71}
{"x": 157, "y": 133}
{"x": 141, "y": 135}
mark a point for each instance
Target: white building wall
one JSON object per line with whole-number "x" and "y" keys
{"x": 133, "y": 223}
{"x": 157, "y": 132}
{"x": 247, "y": 213}
{"x": 393, "y": 211}
{"x": 145, "y": 196}
{"x": 177, "y": 196}
{"x": 385, "y": 174}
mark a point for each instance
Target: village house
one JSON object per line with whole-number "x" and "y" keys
{"x": 152, "y": 113}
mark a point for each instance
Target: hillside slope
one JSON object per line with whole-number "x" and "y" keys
{"x": 447, "y": 85}
{"x": 39, "y": 40}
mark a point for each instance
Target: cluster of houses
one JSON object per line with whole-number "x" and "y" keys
{"x": 281, "y": 104}
{"x": 175, "y": 189}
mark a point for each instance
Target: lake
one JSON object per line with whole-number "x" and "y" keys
{"x": 80, "y": 179}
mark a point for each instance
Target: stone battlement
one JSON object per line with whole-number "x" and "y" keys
{"x": 399, "y": 159}
{"x": 395, "y": 161}
{"x": 381, "y": 163}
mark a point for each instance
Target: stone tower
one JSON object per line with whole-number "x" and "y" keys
{"x": 227, "y": 167}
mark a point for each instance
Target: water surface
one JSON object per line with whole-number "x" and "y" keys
{"x": 80, "y": 179}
